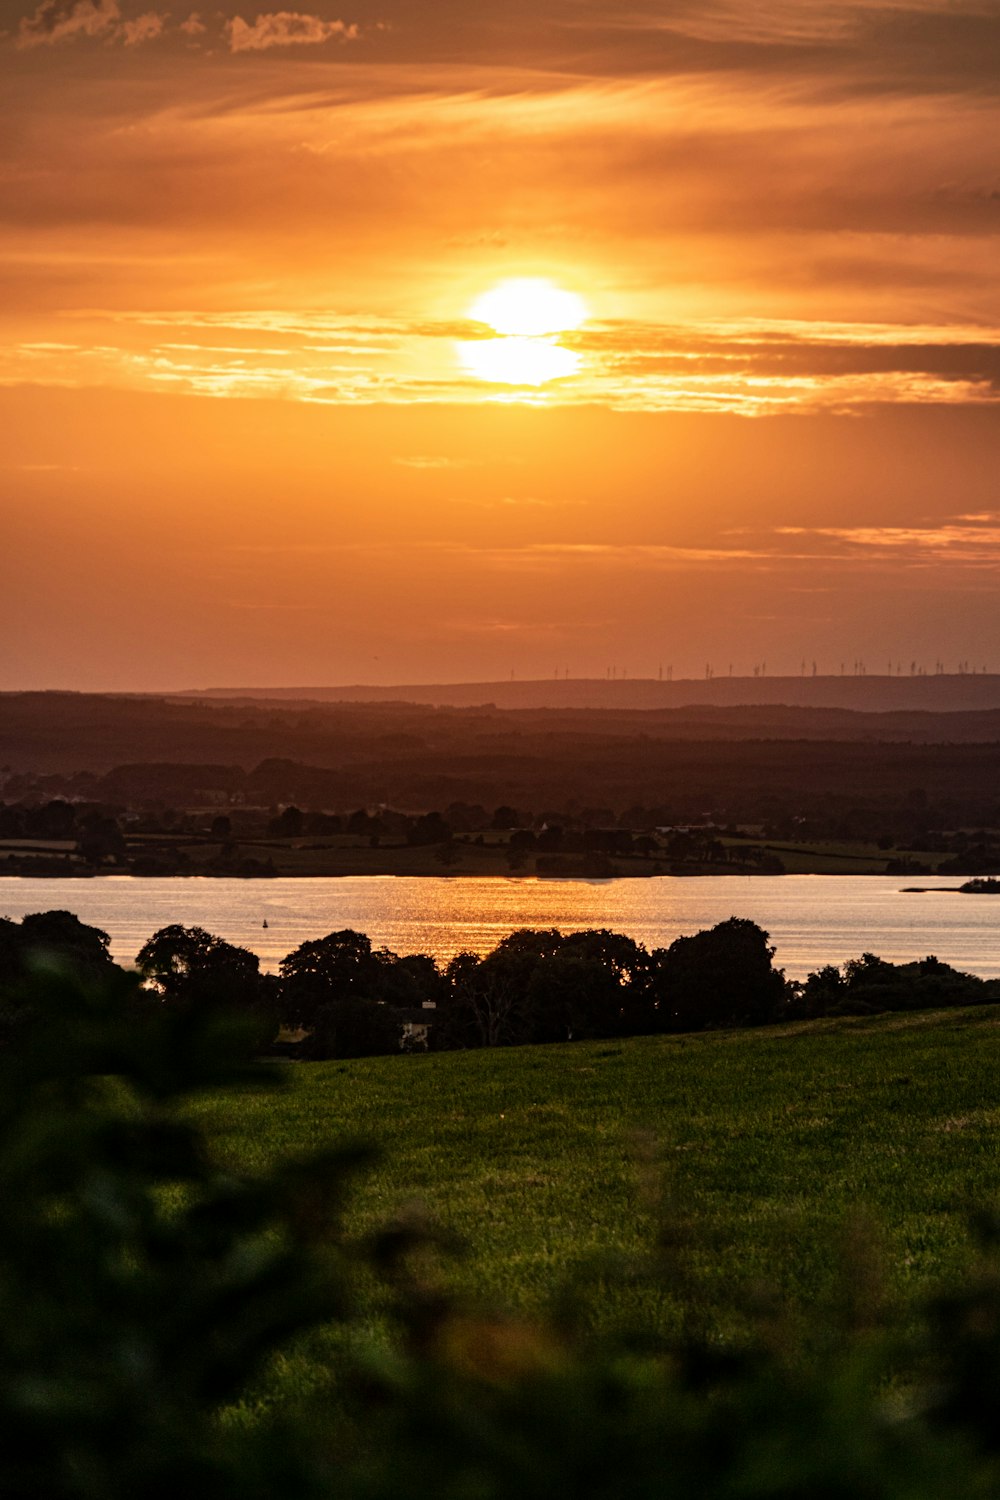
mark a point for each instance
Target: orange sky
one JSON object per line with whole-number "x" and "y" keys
{"x": 239, "y": 252}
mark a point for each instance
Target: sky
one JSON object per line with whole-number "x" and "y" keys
{"x": 258, "y": 425}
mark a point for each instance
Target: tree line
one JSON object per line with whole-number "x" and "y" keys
{"x": 153, "y": 837}
{"x": 338, "y": 996}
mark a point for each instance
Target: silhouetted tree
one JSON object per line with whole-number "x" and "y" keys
{"x": 722, "y": 977}
{"x": 324, "y": 970}
{"x": 62, "y": 936}
{"x": 408, "y": 981}
{"x": 287, "y": 825}
{"x": 485, "y": 1003}
{"x": 429, "y": 829}
{"x": 56, "y": 820}
{"x": 869, "y": 985}
{"x": 589, "y": 984}
{"x": 349, "y": 997}
{"x": 101, "y": 839}
{"x": 188, "y": 965}
{"x": 51, "y": 938}
{"x": 462, "y": 817}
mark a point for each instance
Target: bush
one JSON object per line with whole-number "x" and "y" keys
{"x": 141, "y": 1286}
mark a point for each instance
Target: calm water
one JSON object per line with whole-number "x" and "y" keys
{"x": 812, "y": 919}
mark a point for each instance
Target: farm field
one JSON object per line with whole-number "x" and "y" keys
{"x": 546, "y": 1161}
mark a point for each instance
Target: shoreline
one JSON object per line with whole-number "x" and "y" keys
{"x": 498, "y": 875}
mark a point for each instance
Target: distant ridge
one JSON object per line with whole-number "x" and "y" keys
{"x": 944, "y": 693}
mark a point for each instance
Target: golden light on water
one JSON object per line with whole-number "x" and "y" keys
{"x": 527, "y": 314}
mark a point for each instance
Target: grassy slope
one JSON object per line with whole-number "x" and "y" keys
{"x": 772, "y": 1138}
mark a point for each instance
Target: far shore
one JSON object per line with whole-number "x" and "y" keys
{"x": 492, "y": 855}
{"x": 458, "y": 874}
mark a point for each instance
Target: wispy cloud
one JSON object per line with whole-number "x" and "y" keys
{"x": 952, "y": 541}
{"x": 434, "y": 461}
{"x": 753, "y": 368}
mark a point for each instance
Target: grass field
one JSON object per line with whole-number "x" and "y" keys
{"x": 541, "y": 1159}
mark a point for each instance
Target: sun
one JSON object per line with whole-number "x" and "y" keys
{"x": 526, "y": 315}
{"x": 529, "y": 307}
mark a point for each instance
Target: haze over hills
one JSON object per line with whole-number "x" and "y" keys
{"x": 64, "y": 733}
{"x": 905, "y": 777}
{"x": 944, "y": 692}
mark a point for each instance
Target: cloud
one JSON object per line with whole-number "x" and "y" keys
{"x": 54, "y": 23}
{"x": 434, "y": 461}
{"x": 102, "y": 20}
{"x": 844, "y": 46}
{"x": 836, "y": 364}
{"x": 143, "y": 29}
{"x": 972, "y": 544}
{"x": 99, "y": 20}
{"x": 675, "y": 203}
{"x": 753, "y": 368}
{"x": 285, "y": 28}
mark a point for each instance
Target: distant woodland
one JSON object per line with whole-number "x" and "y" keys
{"x": 236, "y": 786}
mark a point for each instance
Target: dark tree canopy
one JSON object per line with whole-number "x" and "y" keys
{"x": 596, "y": 983}
{"x": 430, "y": 828}
{"x": 188, "y": 964}
{"x": 61, "y": 935}
{"x": 722, "y": 977}
{"x": 539, "y": 985}
{"x": 349, "y": 997}
{"x": 44, "y": 938}
{"x": 324, "y": 970}
{"x": 484, "y": 1000}
{"x": 101, "y": 840}
{"x": 869, "y": 985}
{"x": 409, "y": 980}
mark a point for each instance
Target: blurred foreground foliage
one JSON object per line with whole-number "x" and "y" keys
{"x": 143, "y": 1291}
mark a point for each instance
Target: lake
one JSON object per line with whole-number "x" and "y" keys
{"x": 812, "y": 919}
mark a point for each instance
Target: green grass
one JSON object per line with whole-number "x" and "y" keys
{"x": 541, "y": 1159}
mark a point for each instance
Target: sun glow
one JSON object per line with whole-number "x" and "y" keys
{"x": 527, "y": 315}
{"x": 529, "y": 307}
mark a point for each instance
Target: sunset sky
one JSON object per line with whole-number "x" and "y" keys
{"x": 256, "y": 429}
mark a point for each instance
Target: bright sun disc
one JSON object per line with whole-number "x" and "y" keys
{"x": 527, "y": 315}
{"x": 529, "y": 307}
{"x": 518, "y": 361}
